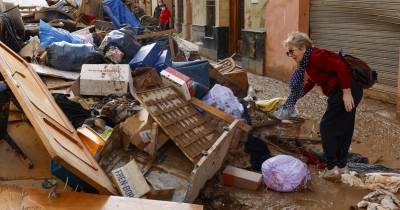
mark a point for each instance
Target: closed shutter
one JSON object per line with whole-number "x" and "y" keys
{"x": 366, "y": 29}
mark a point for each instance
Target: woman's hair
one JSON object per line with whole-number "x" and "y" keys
{"x": 298, "y": 39}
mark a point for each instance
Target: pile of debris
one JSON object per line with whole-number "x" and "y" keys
{"x": 121, "y": 108}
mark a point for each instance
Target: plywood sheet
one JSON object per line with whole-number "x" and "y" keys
{"x": 52, "y": 126}
{"x": 187, "y": 128}
{"x": 39, "y": 200}
{"x": 25, "y": 136}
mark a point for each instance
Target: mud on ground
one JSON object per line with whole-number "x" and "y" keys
{"x": 376, "y": 136}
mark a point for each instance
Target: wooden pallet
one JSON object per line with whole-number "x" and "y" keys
{"x": 186, "y": 127}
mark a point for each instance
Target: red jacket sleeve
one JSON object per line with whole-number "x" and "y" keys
{"x": 331, "y": 62}
{"x": 308, "y": 85}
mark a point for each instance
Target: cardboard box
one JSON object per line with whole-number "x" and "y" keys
{"x": 241, "y": 178}
{"x": 104, "y": 79}
{"x": 179, "y": 81}
{"x": 130, "y": 180}
{"x": 137, "y": 130}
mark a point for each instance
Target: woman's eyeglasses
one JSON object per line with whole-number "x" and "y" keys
{"x": 290, "y": 52}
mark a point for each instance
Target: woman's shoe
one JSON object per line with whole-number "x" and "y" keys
{"x": 332, "y": 174}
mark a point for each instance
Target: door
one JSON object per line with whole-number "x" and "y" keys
{"x": 236, "y": 24}
{"x": 52, "y": 126}
{"x": 369, "y": 30}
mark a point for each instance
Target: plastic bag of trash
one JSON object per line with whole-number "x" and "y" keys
{"x": 124, "y": 40}
{"x": 67, "y": 56}
{"x": 224, "y": 99}
{"x": 120, "y": 14}
{"x": 49, "y": 35}
{"x": 284, "y": 173}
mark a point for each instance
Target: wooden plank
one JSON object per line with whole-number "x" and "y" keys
{"x": 171, "y": 47}
{"x": 154, "y": 34}
{"x": 39, "y": 199}
{"x": 51, "y": 72}
{"x": 210, "y": 163}
{"x": 153, "y": 142}
{"x": 219, "y": 114}
{"x": 38, "y": 104}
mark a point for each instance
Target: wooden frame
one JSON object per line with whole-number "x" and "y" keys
{"x": 210, "y": 163}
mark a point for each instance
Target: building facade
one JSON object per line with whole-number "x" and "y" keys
{"x": 255, "y": 29}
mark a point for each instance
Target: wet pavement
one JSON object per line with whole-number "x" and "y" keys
{"x": 376, "y": 136}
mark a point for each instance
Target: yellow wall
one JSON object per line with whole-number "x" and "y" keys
{"x": 199, "y": 12}
{"x": 255, "y": 15}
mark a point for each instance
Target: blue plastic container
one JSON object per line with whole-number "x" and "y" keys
{"x": 147, "y": 56}
{"x": 164, "y": 61}
{"x": 197, "y": 70}
{"x": 70, "y": 179}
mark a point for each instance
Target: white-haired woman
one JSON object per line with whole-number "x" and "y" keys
{"x": 333, "y": 75}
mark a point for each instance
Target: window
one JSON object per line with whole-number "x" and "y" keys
{"x": 210, "y": 4}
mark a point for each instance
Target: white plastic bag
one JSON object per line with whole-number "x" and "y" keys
{"x": 223, "y": 98}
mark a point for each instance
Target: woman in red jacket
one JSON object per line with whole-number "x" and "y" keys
{"x": 332, "y": 74}
{"x": 165, "y": 18}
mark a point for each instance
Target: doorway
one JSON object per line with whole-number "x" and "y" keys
{"x": 236, "y": 24}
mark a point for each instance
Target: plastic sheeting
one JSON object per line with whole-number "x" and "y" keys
{"x": 284, "y": 173}
{"x": 197, "y": 70}
{"x": 271, "y": 105}
{"x": 49, "y": 35}
{"x": 120, "y": 14}
{"x": 224, "y": 99}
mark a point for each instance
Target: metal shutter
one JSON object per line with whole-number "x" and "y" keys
{"x": 366, "y": 29}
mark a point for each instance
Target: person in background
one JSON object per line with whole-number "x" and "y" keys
{"x": 165, "y": 18}
{"x": 157, "y": 10}
{"x": 333, "y": 75}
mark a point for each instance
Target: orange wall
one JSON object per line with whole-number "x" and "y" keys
{"x": 398, "y": 93}
{"x": 282, "y": 18}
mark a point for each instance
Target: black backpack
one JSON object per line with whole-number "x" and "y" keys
{"x": 361, "y": 72}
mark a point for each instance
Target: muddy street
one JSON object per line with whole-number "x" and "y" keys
{"x": 376, "y": 134}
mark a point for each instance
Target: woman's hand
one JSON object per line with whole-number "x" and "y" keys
{"x": 348, "y": 100}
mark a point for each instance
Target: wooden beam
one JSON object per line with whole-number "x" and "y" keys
{"x": 220, "y": 114}
{"x": 153, "y": 141}
{"x": 154, "y": 34}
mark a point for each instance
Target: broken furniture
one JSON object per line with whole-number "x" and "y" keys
{"x": 226, "y": 73}
{"x": 54, "y": 129}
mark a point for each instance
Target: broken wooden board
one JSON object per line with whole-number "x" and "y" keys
{"x": 225, "y": 81}
{"x": 154, "y": 34}
{"x": 210, "y": 163}
{"x": 39, "y": 200}
{"x": 52, "y": 126}
{"x": 51, "y": 72}
{"x": 189, "y": 130}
